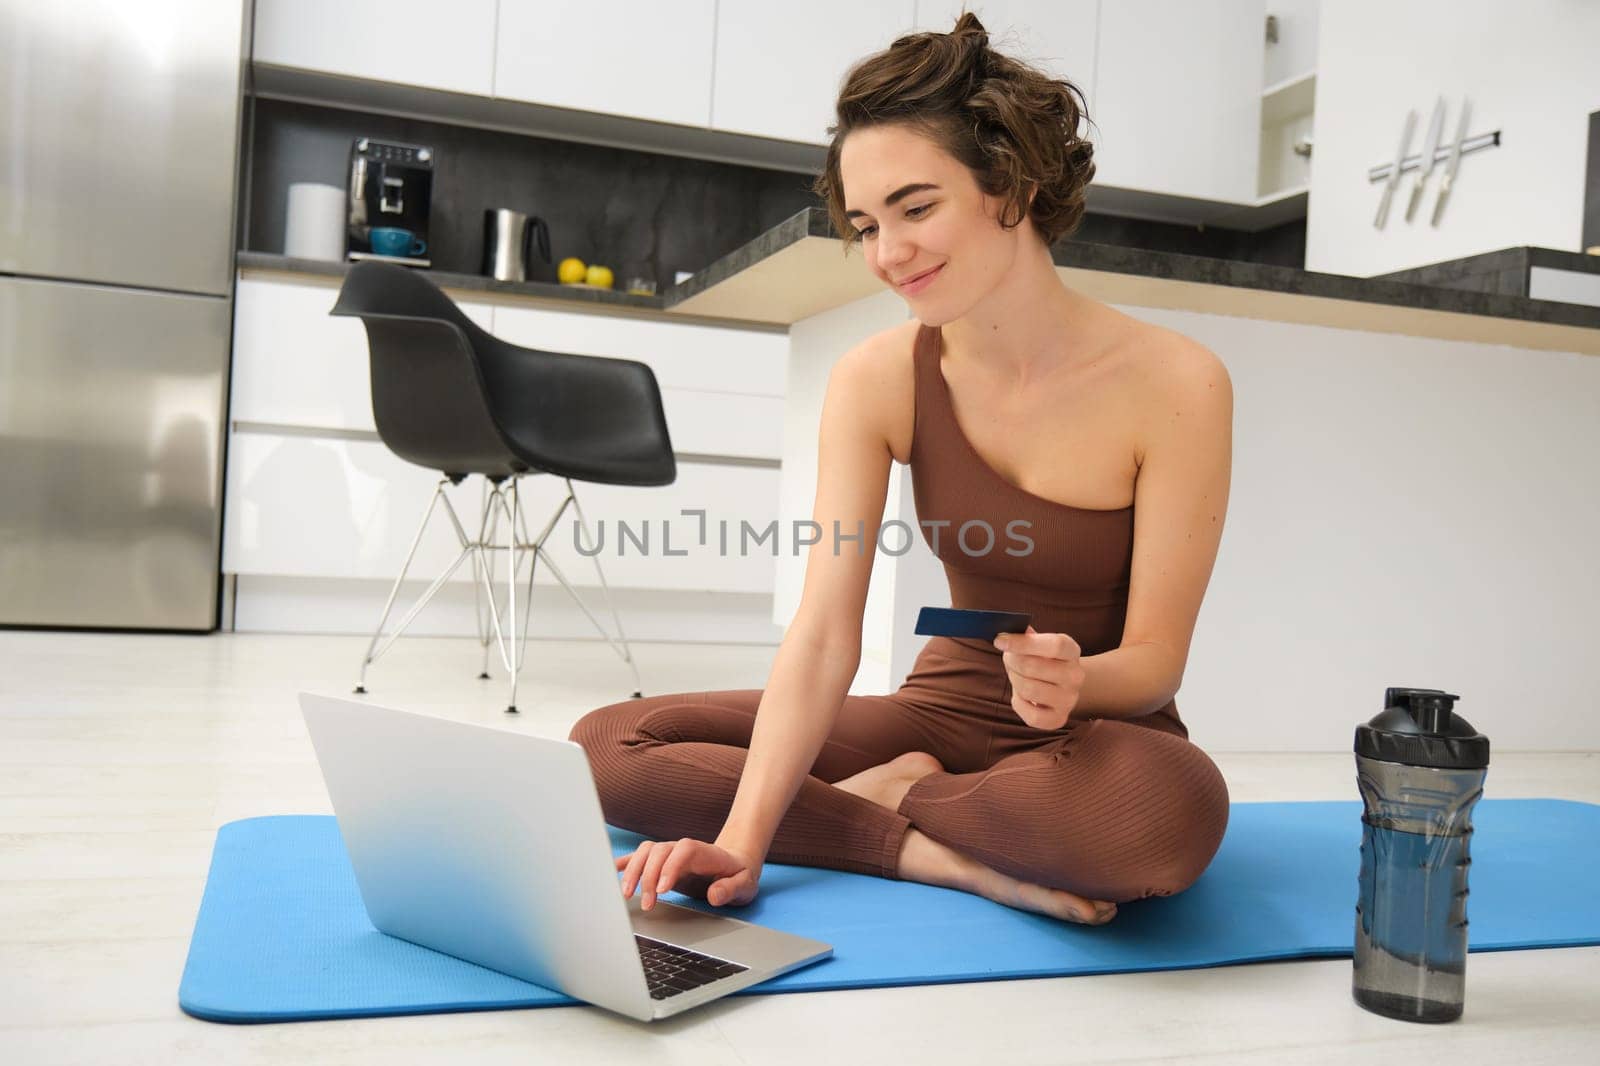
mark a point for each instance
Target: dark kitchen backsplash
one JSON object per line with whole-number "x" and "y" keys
{"x": 640, "y": 213}
{"x": 1282, "y": 245}
{"x": 636, "y": 212}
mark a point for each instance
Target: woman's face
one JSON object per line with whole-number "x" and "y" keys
{"x": 924, "y": 221}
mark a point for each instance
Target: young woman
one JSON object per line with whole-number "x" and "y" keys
{"x": 1049, "y": 771}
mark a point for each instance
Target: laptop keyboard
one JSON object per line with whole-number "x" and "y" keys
{"x": 669, "y": 969}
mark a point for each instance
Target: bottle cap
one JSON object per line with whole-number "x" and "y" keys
{"x": 1419, "y": 727}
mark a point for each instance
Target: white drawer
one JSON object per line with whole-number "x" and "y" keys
{"x": 722, "y": 389}
{"x": 713, "y": 423}
{"x": 296, "y": 365}
{"x": 301, "y": 505}
{"x": 683, "y": 355}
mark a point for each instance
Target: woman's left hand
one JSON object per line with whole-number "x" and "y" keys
{"x": 1046, "y": 675}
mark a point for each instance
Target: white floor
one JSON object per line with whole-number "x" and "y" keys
{"x": 121, "y": 755}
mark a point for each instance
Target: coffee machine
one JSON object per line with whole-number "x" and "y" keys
{"x": 390, "y": 188}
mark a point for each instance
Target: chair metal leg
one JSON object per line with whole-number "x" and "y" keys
{"x": 515, "y": 667}
{"x": 529, "y": 549}
{"x": 521, "y": 547}
{"x": 506, "y": 630}
{"x": 488, "y": 548}
{"x": 537, "y": 546}
{"x": 605, "y": 592}
{"x": 510, "y": 640}
{"x": 483, "y": 578}
{"x": 374, "y": 648}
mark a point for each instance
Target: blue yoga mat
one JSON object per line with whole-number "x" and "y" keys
{"x": 282, "y": 934}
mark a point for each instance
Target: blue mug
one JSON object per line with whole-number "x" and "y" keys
{"x": 391, "y": 240}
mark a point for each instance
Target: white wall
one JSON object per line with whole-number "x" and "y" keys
{"x": 815, "y": 344}
{"x": 1532, "y": 70}
{"x": 1404, "y": 511}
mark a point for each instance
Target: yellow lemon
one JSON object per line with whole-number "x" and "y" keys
{"x": 600, "y": 277}
{"x": 571, "y": 271}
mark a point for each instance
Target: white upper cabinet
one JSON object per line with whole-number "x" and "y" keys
{"x": 412, "y": 42}
{"x": 1177, "y": 97}
{"x": 1056, "y": 36}
{"x": 639, "y": 58}
{"x": 1174, "y": 87}
{"x": 779, "y": 68}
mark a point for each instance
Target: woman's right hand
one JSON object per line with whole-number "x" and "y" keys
{"x": 715, "y": 874}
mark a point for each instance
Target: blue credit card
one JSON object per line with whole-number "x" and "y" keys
{"x": 978, "y": 625}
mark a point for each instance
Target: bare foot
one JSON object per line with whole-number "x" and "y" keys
{"x": 887, "y": 784}
{"x": 926, "y": 860}
{"x": 929, "y": 862}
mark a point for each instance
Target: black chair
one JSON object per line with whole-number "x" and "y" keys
{"x": 450, "y": 396}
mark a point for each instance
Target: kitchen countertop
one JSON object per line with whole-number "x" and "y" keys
{"x": 1505, "y": 271}
{"x": 796, "y": 269}
{"x": 447, "y": 280}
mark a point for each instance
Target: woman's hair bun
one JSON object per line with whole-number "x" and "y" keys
{"x": 1014, "y": 127}
{"x": 968, "y": 27}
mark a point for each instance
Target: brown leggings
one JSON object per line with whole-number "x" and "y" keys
{"x": 1107, "y": 809}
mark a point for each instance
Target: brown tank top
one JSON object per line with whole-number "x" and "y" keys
{"x": 1005, "y": 549}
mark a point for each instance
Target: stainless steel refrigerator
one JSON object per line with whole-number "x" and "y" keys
{"x": 119, "y": 135}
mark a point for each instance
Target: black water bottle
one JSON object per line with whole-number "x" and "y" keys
{"x": 1420, "y": 768}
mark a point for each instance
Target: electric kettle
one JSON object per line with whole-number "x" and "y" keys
{"x": 508, "y": 243}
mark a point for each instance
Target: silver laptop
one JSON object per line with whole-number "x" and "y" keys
{"x": 490, "y": 846}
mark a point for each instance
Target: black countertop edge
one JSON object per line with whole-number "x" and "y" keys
{"x": 1518, "y": 258}
{"x": 1559, "y": 260}
{"x": 809, "y": 222}
{"x": 1399, "y": 290}
{"x": 448, "y": 280}
{"x": 1174, "y": 266}
{"x": 1504, "y": 271}
{"x": 1268, "y": 278}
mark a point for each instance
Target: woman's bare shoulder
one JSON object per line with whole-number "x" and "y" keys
{"x": 1166, "y": 348}
{"x": 1167, "y": 365}
{"x": 1168, "y": 373}
{"x": 881, "y": 373}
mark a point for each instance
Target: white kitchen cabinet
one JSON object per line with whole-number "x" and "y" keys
{"x": 1177, "y": 97}
{"x": 722, "y": 389}
{"x": 311, "y": 495}
{"x": 778, "y": 71}
{"x": 323, "y": 507}
{"x": 1294, "y": 53}
{"x": 1056, "y": 36}
{"x": 410, "y": 42}
{"x": 627, "y": 57}
{"x": 296, "y": 365}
